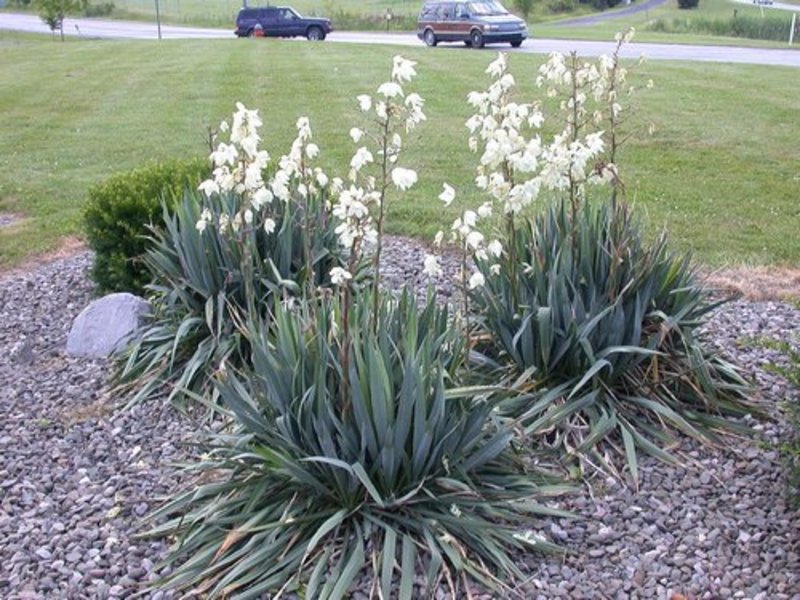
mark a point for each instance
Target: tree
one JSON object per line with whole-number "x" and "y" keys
{"x": 52, "y": 12}
{"x": 525, "y": 7}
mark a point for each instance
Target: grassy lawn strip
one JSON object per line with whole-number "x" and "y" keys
{"x": 721, "y": 10}
{"x": 720, "y": 172}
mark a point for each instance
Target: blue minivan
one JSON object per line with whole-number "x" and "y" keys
{"x": 280, "y": 21}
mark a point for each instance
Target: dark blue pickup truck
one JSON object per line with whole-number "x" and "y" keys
{"x": 280, "y": 21}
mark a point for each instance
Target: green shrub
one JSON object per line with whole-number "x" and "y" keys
{"x": 743, "y": 26}
{"x": 102, "y": 9}
{"x": 686, "y": 4}
{"x": 599, "y": 329}
{"x": 791, "y": 448}
{"x": 354, "y": 452}
{"x": 560, "y": 6}
{"x": 119, "y": 212}
{"x": 204, "y": 281}
{"x": 369, "y": 21}
{"x": 604, "y": 4}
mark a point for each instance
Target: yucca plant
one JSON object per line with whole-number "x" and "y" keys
{"x": 205, "y": 281}
{"x": 354, "y": 454}
{"x": 598, "y": 328}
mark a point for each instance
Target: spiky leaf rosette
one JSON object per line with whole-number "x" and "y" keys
{"x": 598, "y": 330}
{"x": 206, "y": 281}
{"x": 340, "y": 465}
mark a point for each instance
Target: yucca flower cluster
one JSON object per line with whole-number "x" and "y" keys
{"x": 374, "y": 167}
{"x": 239, "y": 167}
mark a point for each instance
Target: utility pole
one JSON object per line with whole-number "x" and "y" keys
{"x": 158, "y": 20}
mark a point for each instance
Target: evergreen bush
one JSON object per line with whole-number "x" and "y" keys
{"x": 120, "y": 212}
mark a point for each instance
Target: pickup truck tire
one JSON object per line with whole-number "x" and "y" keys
{"x": 315, "y": 34}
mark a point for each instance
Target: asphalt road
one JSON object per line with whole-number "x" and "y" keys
{"x": 630, "y": 9}
{"x": 98, "y": 28}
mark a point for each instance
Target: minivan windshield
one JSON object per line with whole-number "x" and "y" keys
{"x": 488, "y": 8}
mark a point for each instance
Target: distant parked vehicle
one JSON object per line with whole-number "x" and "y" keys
{"x": 280, "y": 21}
{"x": 474, "y": 23}
{"x": 763, "y": 2}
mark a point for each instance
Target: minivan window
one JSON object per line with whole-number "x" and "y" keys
{"x": 487, "y": 8}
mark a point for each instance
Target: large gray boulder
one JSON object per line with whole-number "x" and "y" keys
{"x": 107, "y": 325}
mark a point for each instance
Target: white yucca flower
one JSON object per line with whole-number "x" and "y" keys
{"x": 340, "y": 276}
{"x": 403, "y": 178}
{"x": 390, "y": 89}
{"x": 209, "y": 187}
{"x": 403, "y": 69}
{"x": 362, "y": 157}
{"x": 448, "y": 194}
{"x": 364, "y": 102}
{"x": 356, "y": 134}
{"x": 431, "y": 266}
{"x": 498, "y": 66}
{"x": 476, "y": 280}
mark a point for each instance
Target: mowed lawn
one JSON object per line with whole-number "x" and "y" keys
{"x": 721, "y": 172}
{"x": 223, "y": 12}
{"x": 712, "y": 10}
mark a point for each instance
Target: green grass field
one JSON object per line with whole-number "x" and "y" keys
{"x": 707, "y": 9}
{"x": 721, "y": 172}
{"x": 223, "y": 12}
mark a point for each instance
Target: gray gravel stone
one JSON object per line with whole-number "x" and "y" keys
{"x": 75, "y": 474}
{"x": 106, "y": 325}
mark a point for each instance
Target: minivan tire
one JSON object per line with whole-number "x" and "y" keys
{"x": 476, "y": 39}
{"x": 430, "y": 38}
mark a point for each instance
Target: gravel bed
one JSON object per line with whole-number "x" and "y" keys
{"x": 76, "y": 477}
